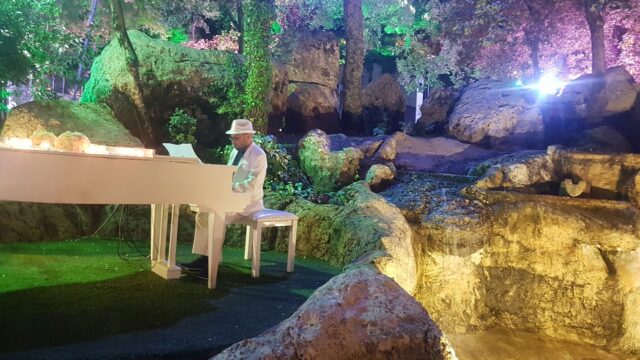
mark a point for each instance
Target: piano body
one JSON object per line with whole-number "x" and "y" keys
{"x": 163, "y": 182}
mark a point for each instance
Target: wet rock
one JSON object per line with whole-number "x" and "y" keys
{"x": 417, "y": 193}
{"x": 490, "y": 112}
{"x": 519, "y": 171}
{"x": 383, "y": 105}
{"x": 328, "y": 170}
{"x": 361, "y": 312}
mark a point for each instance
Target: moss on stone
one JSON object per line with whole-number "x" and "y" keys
{"x": 172, "y": 76}
{"x": 96, "y": 121}
{"x": 160, "y": 61}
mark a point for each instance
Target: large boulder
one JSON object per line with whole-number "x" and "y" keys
{"x": 360, "y": 314}
{"x": 383, "y": 105}
{"x": 96, "y": 121}
{"x": 279, "y": 96}
{"x": 435, "y": 109}
{"x": 493, "y": 113}
{"x": 315, "y": 59}
{"x": 173, "y": 76}
{"x": 621, "y": 91}
{"x": 328, "y": 170}
{"x": 615, "y": 90}
{"x": 311, "y": 106}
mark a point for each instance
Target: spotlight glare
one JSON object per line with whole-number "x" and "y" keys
{"x": 549, "y": 84}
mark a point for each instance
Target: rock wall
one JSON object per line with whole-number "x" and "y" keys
{"x": 556, "y": 265}
{"x": 313, "y": 71}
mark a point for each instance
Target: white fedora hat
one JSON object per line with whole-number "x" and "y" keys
{"x": 241, "y": 126}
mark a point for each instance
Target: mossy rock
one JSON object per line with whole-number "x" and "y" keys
{"x": 329, "y": 171}
{"x": 96, "y": 121}
{"x": 27, "y": 222}
{"x": 173, "y": 76}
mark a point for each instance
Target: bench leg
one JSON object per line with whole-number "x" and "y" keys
{"x": 248, "y": 243}
{"x": 291, "y": 251}
{"x": 255, "y": 261}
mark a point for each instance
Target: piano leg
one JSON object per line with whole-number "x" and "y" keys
{"x": 160, "y": 265}
{"x": 173, "y": 239}
{"x": 214, "y": 248}
{"x": 155, "y": 235}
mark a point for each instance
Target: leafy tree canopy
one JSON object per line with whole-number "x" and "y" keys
{"x": 30, "y": 36}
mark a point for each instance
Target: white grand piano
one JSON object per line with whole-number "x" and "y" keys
{"x": 163, "y": 182}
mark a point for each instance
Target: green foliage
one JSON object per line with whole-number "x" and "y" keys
{"x": 182, "y": 127}
{"x": 257, "y": 38}
{"x": 420, "y": 68}
{"x": 4, "y": 94}
{"x": 227, "y": 93}
{"x": 30, "y": 37}
{"x": 276, "y": 28}
{"x": 283, "y": 168}
{"x": 177, "y": 36}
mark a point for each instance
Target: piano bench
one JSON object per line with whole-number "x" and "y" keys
{"x": 263, "y": 219}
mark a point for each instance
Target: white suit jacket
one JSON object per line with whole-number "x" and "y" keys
{"x": 249, "y": 176}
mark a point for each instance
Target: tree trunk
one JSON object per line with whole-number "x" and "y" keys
{"x": 143, "y": 119}
{"x": 354, "y": 63}
{"x": 595, "y": 20}
{"x": 240, "y": 15}
{"x": 85, "y": 45}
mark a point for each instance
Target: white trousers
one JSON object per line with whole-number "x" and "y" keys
{"x": 202, "y": 225}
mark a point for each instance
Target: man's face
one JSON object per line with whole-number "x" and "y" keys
{"x": 241, "y": 141}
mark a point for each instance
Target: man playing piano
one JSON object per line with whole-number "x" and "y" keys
{"x": 251, "y": 162}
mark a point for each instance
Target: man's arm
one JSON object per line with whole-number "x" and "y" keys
{"x": 256, "y": 176}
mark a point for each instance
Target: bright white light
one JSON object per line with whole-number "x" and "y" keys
{"x": 19, "y": 143}
{"x": 46, "y": 145}
{"x": 97, "y": 149}
{"x": 549, "y": 84}
{"x": 519, "y": 82}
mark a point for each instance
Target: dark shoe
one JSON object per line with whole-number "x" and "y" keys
{"x": 199, "y": 264}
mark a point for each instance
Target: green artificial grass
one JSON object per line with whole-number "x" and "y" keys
{"x": 56, "y": 293}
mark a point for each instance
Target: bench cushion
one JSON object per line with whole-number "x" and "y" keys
{"x": 272, "y": 215}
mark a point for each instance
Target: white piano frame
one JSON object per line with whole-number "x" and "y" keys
{"x": 162, "y": 182}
